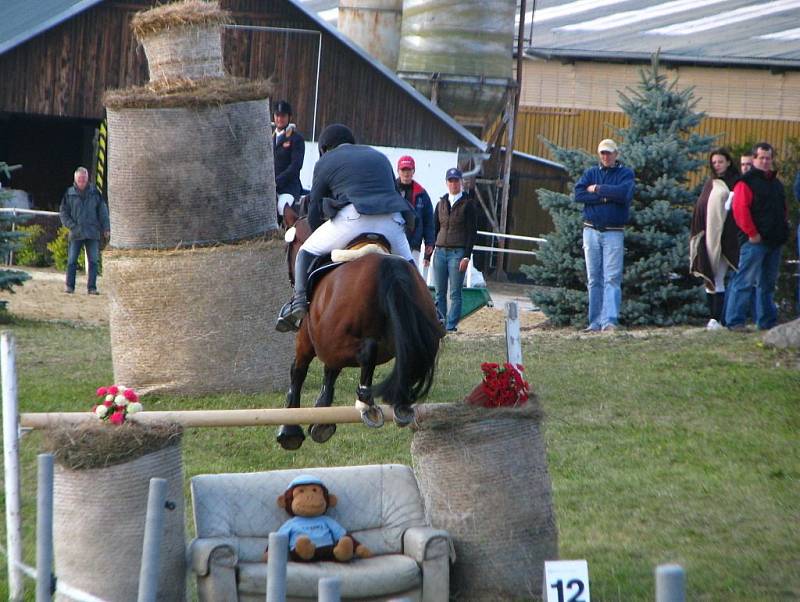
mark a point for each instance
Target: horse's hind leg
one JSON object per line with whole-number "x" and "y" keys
{"x": 371, "y": 415}
{"x": 290, "y": 436}
{"x": 322, "y": 432}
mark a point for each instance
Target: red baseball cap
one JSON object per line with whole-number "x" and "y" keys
{"x": 406, "y": 162}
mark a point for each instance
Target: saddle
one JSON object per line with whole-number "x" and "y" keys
{"x": 361, "y": 245}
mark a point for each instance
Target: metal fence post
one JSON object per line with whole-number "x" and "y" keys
{"x": 44, "y": 529}
{"x": 151, "y": 547}
{"x": 329, "y": 589}
{"x": 11, "y": 465}
{"x": 670, "y": 583}
{"x": 276, "y": 567}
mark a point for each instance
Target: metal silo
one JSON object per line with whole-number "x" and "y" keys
{"x": 374, "y": 25}
{"x": 459, "y": 53}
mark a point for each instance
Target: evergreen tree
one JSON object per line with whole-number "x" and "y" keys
{"x": 661, "y": 148}
{"x": 8, "y": 243}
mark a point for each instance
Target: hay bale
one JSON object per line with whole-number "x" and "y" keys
{"x": 194, "y": 321}
{"x": 483, "y": 476}
{"x": 182, "y": 39}
{"x": 185, "y": 93}
{"x": 99, "y": 517}
{"x": 185, "y": 176}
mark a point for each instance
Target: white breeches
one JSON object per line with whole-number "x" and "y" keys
{"x": 348, "y": 223}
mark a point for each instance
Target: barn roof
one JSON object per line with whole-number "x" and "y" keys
{"x": 21, "y": 21}
{"x": 711, "y": 32}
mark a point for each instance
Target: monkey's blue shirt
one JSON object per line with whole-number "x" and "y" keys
{"x": 321, "y": 530}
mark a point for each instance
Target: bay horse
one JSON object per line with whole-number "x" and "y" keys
{"x": 361, "y": 314}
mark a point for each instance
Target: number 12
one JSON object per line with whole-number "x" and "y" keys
{"x": 559, "y": 587}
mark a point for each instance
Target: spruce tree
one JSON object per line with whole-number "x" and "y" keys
{"x": 663, "y": 151}
{"x": 8, "y": 242}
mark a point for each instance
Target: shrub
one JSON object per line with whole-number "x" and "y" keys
{"x": 30, "y": 250}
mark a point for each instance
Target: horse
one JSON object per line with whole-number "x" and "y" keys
{"x": 361, "y": 314}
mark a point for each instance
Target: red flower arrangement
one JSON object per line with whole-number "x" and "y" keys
{"x": 118, "y": 402}
{"x": 502, "y": 386}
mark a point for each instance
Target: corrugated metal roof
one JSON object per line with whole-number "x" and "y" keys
{"x": 21, "y": 20}
{"x": 721, "y": 32}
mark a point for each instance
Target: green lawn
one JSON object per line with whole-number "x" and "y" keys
{"x": 670, "y": 446}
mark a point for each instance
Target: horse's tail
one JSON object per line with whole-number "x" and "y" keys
{"x": 416, "y": 335}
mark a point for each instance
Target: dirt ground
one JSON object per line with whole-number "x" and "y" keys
{"x": 42, "y": 298}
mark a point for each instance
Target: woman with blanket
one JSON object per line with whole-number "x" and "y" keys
{"x": 713, "y": 243}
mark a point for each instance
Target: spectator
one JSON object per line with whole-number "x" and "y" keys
{"x": 759, "y": 208}
{"x": 84, "y": 212}
{"x": 288, "y": 148}
{"x": 714, "y": 242}
{"x": 417, "y": 196}
{"x": 746, "y": 162}
{"x": 606, "y": 191}
{"x": 455, "y": 224}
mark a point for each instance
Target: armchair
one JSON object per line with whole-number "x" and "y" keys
{"x": 381, "y": 505}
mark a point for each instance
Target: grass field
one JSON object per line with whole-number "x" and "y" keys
{"x": 668, "y": 446}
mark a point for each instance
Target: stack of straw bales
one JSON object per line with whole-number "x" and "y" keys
{"x": 196, "y": 270}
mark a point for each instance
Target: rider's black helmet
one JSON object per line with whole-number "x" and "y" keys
{"x": 334, "y": 135}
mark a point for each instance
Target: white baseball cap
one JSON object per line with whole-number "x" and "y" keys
{"x": 607, "y": 145}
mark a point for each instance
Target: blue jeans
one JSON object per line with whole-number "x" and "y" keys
{"x": 93, "y": 251}
{"x": 445, "y": 272}
{"x": 604, "y": 252}
{"x": 758, "y": 267}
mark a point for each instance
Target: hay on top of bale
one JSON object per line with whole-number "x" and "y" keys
{"x": 188, "y": 13}
{"x": 177, "y": 93}
{"x": 95, "y": 444}
{"x": 270, "y": 240}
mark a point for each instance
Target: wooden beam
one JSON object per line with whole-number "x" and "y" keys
{"x": 212, "y": 418}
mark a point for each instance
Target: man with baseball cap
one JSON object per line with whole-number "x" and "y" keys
{"x": 456, "y": 225}
{"x": 289, "y": 149}
{"x": 416, "y": 195}
{"x": 606, "y": 192}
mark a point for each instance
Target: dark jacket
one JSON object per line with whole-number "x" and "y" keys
{"x": 610, "y": 205}
{"x": 423, "y": 215}
{"x": 86, "y": 215}
{"x": 767, "y": 210}
{"x": 357, "y": 174}
{"x": 289, "y": 152}
{"x": 456, "y": 226}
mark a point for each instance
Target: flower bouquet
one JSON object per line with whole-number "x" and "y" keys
{"x": 502, "y": 386}
{"x": 118, "y": 402}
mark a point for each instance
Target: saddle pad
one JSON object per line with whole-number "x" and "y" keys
{"x": 341, "y": 255}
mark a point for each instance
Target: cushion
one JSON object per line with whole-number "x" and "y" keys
{"x": 361, "y": 578}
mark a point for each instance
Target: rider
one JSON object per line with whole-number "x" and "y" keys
{"x": 354, "y": 186}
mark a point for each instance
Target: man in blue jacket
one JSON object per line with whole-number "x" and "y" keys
{"x": 606, "y": 191}
{"x": 418, "y": 197}
{"x": 288, "y": 148}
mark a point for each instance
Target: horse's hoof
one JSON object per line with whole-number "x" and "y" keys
{"x": 403, "y": 415}
{"x": 290, "y": 437}
{"x": 373, "y": 417}
{"x": 321, "y": 432}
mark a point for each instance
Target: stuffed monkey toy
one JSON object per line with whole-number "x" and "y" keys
{"x": 312, "y": 535}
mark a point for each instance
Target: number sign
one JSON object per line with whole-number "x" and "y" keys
{"x": 566, "y": 581}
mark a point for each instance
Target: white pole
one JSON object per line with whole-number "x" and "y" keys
{"x": 44, "y": 529}
{"x": 670, "y": 583}
{"x": 278, "y": 551}
{"x": 11, "y": 466}
{"x": 151, "y": 546}
{"x": 469, "y": 273}
{"x": 513, "y": 341}
{"x": 329, "y": 589}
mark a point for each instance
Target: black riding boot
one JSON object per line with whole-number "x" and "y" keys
{"x": 293, "y": 312}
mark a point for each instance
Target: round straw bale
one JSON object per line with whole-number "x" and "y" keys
{"x": 182, "y": 39}
{"x": 98, "y": 523}
{"x": 195, "y": 321}
{"x": 483, "y": 475}
{"x": 186, "y": 176}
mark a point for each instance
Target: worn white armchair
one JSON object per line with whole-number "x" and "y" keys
{"x": 380, "y": 505}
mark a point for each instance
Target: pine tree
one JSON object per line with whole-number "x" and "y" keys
{"x": 663, "y": 151}
{"x": 8, "y": 242}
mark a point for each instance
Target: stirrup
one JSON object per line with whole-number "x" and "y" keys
{"x": 285, "y": 323}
